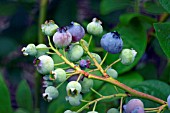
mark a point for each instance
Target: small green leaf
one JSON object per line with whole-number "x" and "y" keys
{"x": 5, "y": 103}
{"x": 24, "y": 97}
{"x": 108, "y": 6}
{"x": 163, "y": 35}
{"x": 165, "y": 4}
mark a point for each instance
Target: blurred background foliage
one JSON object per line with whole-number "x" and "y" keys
{"x": 20, "y": 20}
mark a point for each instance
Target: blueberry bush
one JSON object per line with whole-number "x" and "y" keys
{"x": 110, "y": 56}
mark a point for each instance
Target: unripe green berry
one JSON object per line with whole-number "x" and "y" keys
{"x": 29, "y": 50}
{"x": 73, "y": 88}
{"x": 60, "y": 74}
{"x": 92, "y": 112}
{"x": 86, "y": 85}
{"x": 50, "y": 93}
{"x": 75, "y": 53}
{"x": 44, "y": 64}
{"x": 49, "y": 28}
{"x": 69, "y": 111}
{"x": 113, "y": 110}
{"x": 127, "y": 56}
{"x": 97, "y": 57}
{"x": 112, "y": 73}
{"x": 95, "y": 27}
{"x": 74, "y": 101}
{"x": 42, "y": 49}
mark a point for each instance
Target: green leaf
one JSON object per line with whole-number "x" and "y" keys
{"x": 108, "y": 6}
{"x": 153, "y": 87}
{"x": 5, "y": 103}
{"x": 24, "y": 97}
{"x": 131, "y": 79}
{"x": 8, "y": 8}
{"x": 163, "y": 35}
{"x": 154, "y": 7}
{"x": 165, "y": 4}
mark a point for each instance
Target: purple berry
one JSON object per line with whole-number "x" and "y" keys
{"x": 62, "y": 38}
{"x": 77, "y": 31}
{"x": 138, "y": 109}
{"x": 84, "y": 63}
{"x": 111, "y": 42}
{"x": 168, "y": 101}
{"x": 132, "y": 104}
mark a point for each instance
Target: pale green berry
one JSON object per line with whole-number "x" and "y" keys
{"x": 69, "y": 111}
{"x": 97, "y": 57}
{"x": 59, "y": 74}
{"x": 74, "y": 101}
{"x": 44, "y": 64}
{"x": 75, "y": 53}
{"x": 50, "y": 93}
{"x": 92, "y": 112}
{"x": 29, "y": 50}
{"x": 113, "y": 110}
{"x": 86, "y": 85}
{"x": 112, "y": 73}
{"x": 49, "y": 28}
{"x": 42, "y": 49}
{"x": 95, "y": 27}
{"x": 73, "y": 88}
{"x": 85, "y": 43}
{"x": 128, "y": 56}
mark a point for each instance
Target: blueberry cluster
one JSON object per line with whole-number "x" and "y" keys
{"x": 75, "y": 51}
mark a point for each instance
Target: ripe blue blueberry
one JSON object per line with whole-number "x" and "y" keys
{"x": 112, "y": 110}
{"x": 76, "y": 30}
{"x": 42, "y": 49}
{"x": 44, "y": 64}
{"x": 73, "y": 88}
{"x": 86, "y": 85}
{"x": 29, "y": 50}
{"x": 95, "y": 27}
{"x": 75, "y": 53}
{"x": 74, "y": 101}
{"x": 127, "y": 56}
{"x": 168, "y": 101}
{"x": 138, "y": 109}
{"x": 112, "y": 73}
{"x": 59, "y": 74}
{"x": 112, "y": 42}
{"x": 49, "y": 28}
{"x": 50, "y": 93}
{"x": 62, "y": 38}
{"x": 132, "y": 104}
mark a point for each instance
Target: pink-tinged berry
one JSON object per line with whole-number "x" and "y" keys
{"x": 62, "y": 37}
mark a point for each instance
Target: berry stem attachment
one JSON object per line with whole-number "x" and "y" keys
{"x": 121, "y": 103}
{"x": 104, "y": 59}
{"x": 94, "y": 60}
{"x": 112, "y": 64}
{"x": 79, "y": 77}
{"x": 131, "y": 91}
{"x": 93, "y": 70}
{"x": 59, "y": 64}
{"x": 94, "y": 106}
{"x": 96, "y": 92}
{"x": 102, "y": 98}
{"x": 90, "y": 40}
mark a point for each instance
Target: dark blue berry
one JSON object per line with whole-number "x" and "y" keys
{"x": 111, "y": 42}
{"x": 84, "y": 63}
{"x": 76, "y": 30}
